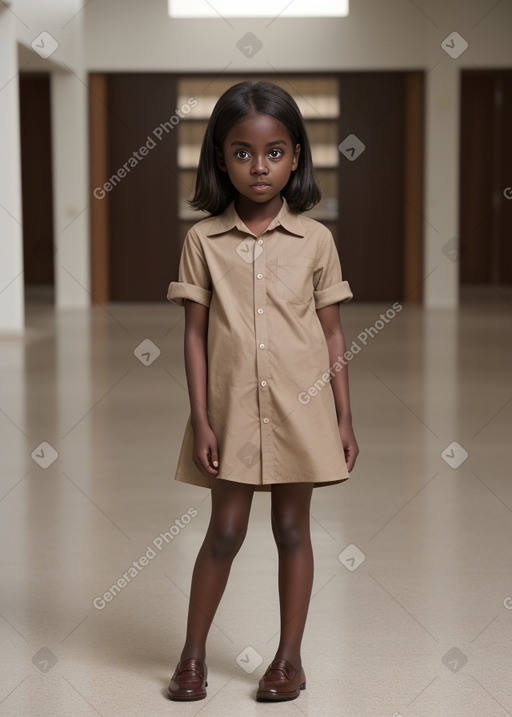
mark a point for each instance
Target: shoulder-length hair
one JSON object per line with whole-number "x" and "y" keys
{"x": 214, "y": 190}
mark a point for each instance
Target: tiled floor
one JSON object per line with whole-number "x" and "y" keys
{"x": 422, "y": 627}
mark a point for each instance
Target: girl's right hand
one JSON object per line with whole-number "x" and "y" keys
{"x": 206, "y": 452}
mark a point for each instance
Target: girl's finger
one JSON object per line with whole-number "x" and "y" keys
{"x": 350, "y": 456}
{"x": 202, "y": 461}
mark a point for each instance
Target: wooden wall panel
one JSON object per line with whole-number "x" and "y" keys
{"x": 476, "y": 176}
{"x": 371, "y": 205}
{"x": 413, "y": 188}
{"x": 485, "y": 213}
{"x": 143, "y": 220}
{"x": 505, "y": 182}
{"x": 98, "y": 169}
{"x": 36, "y": 178}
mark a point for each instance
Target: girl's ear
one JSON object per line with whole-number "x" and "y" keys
{"x": 219, "y": 158}
{"x": 296, "y": 154}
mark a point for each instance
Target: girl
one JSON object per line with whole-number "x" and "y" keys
{"x": 269, "y": 398}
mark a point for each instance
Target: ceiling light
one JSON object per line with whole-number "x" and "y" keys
{"x": 259, "y": 8}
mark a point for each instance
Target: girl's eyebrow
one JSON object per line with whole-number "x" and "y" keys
{"x": 240, "y": 143}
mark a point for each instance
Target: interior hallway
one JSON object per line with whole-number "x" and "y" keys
{"x": 386, "y": 636}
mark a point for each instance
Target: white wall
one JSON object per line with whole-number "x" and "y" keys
{"x": 11, "y": 264}
{"x": 22, "y": 22}
{"x": 129, "y": 35}
{"x": 396, "y": 34}
{"x": 61, "y": 18}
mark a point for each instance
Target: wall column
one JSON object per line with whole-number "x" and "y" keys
{"x": 12, "y": 315}
{"x": 70, "y": 189}
{"x": 441, "y": 287}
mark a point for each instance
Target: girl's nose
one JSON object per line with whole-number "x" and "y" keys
{"x": 259, "y": 166}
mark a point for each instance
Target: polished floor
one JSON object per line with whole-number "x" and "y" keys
{"x": 411, "y": 613}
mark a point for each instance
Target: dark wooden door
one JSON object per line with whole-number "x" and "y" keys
{"x": 371, "y": 187}
{"x": 485, "y": 208}
{"x": 36, "y": 178}
{"x": 142, "y": 194}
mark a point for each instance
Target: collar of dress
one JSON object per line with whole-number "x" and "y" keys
{"x": 229, "y": 219}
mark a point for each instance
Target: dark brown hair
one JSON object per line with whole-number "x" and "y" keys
{"x": 214, "y": 190}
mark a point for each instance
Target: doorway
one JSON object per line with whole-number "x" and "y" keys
{"x": 485, "y": 208}
{"x": 36, "y": 186}
{"x": 142, "y": 168}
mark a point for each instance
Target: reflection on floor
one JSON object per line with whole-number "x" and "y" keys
{"x": 411, "y": 611}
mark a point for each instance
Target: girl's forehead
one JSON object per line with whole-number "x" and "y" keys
{"x": 258, "y": 124}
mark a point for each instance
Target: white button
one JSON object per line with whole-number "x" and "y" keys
{"x": 262, "y": 346}
{"x": 266, "y": 420}
{"x": 260, "y": 241}
{"x": 263, "y": 383}
{"x": 259, "y": 276}
{"x": 260, "y": 311}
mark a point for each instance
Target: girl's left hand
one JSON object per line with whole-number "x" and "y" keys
{"x": 349, "y": 443}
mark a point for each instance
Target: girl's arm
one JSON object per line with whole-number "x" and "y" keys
{"x": 196, "y": 330}
{"x": 330, "y": 320}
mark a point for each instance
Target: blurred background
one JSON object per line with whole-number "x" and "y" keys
{"x": 420, "y": 214}
{"x": 103, "y": 104}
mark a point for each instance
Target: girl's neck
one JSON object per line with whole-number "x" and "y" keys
{"x": 257, "y": 217}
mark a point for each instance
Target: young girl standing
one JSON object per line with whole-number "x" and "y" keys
{"x": 269, "y": 399}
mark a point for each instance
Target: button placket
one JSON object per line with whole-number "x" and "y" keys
{"x": 263, "y": 363}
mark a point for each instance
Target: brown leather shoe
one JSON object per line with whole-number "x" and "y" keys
{"x": 189, "y": 680}
{"x": 281, "y": 681}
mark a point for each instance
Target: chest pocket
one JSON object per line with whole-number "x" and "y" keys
{"x": 295, "y": 280}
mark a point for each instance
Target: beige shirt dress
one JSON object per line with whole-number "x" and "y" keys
{"x": 270, "y": 400}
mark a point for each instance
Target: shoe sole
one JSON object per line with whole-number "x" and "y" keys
{"x": 279, "y": 696}
{"x": 187, "y": 698}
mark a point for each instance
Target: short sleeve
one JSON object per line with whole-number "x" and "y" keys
{"x": 193, "y": 277}
{"x": 328, "y": 281}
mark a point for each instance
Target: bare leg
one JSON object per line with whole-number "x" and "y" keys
{"x": 231, "y": 506}
{"x": 290, "y": 525}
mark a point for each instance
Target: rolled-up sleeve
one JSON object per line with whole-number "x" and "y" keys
{"x": 328, "y": 281}
{"x": 194, "y": 280}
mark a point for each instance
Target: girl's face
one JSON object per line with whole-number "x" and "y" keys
{"x": 258, "y": 154}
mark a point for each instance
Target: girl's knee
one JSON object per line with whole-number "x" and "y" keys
{"x": 290, "y": 535}
{"x": 231, "y": 505}
{"x": 226, "y": 542}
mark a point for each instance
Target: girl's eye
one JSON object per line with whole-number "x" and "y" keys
{"x": 275, "y": 153}
{"x": 241, "y": 152}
